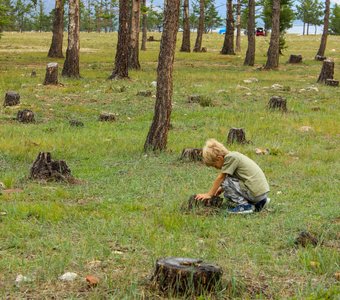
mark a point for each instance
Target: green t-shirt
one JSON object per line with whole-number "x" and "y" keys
{"x": 247, "y": 171}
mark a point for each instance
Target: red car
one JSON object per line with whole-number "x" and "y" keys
{"x": 260, "y": 32}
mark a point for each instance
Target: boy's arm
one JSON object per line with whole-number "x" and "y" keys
{"x": 218, "y": 181}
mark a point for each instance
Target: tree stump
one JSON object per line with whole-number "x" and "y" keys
{"x": 305, "y": 238}
{"x": 327, "y": 71}
{"x": 33, "y": 73}
{"x": 76, "y": 123}
{"x": 44, "y": 168}
{"x": 25, "y": 116}
{"x": 332, "y": 82}
{"x": 187, "y": 276}
{"x": 51, "y": 76}
{"x": 320, "y": 57}
{"x": 12, "y": 99}
{"x": 194, "y": 98}
{"x": 107, "y": 117}
{"x": 204, "y": 49}
{"x": 214, "y": 201}
{"x": 192, "y": 154}
{"x": 236, "y": 135}
{"x": 295, "y": 59}
{"x": 277, "y": 103}
{"x": 144, "y": 93}
{"x": 151, "y": 38}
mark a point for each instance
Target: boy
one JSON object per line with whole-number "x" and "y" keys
{"x": 241, "y": 179}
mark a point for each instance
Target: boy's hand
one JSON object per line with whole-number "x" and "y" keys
{"x": 202, "y": 197}
{"x": 219, "y": 191}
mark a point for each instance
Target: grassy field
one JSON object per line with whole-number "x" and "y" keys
{"x": 125, "y": 213}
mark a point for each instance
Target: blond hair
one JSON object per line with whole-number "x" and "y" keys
{"x": 211, "y": 150}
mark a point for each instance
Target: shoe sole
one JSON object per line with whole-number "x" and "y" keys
{"x": 241, "y": 212}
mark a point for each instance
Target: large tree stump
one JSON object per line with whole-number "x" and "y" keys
{"x": 51, "y": 76}
{"x": 187, "y": 276}
{"x": 327, "y": 71}
{"x": 277, "y": 103}
{"x": 25, "y": 116}
{"x": 44, "y": 168}
{"x": 12, "y": 99}
{"x": 305, "y": 238}
{"x": 332, "y": 82}
{"x": 320, "y": 57}
{"x": 236, "y": 135}
{"x": 191, "y": 154}
{"x": 295, "y": 59}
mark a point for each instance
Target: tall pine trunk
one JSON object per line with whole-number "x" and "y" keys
{"x": 56, "y": 49}
{"x": 71, "y": 64}
{"x": 186, "y": 28}
{"x": 228, "y": 45}
{"x": 274, "y": 46}
{"x": 133, "y": 62}
{"x": 238, "y": 26}
{"x": 121, "y": 69}
{"x": 322, "y": 48}
{"x": 250, "y": 55}
{"x": 200, "y": 29}
{"x": 144, "y": 25}
{"x": 158, "y": 133}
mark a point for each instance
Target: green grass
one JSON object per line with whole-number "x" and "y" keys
{"x": 126, "y": 212}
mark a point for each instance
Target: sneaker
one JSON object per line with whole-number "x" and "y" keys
{"x": 242, "y": 209}
{"x": 261, "y": 204}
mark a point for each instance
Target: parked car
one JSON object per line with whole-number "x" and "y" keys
{"x": 222, "y": 31}
{"x": 260, "y": 31}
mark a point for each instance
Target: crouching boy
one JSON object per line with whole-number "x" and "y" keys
{"x": 241, "y": 179}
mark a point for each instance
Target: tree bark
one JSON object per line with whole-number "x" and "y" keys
{"x": 133, "y": 62}
{"x": 322, "y": 48}
{"x": 121, "y": 69}
{"x": 274, "y": 49}
{"x": 144, "y": 26}
{"x": 200, "y": 30}
{"x": 228, "y": 45}
{"x": 71, "y": 64}
{"x": 250, "y": 55}
{"x": 186, "y": 28}
{"x": 238, "y": 26}
{"x": 56, "y": 48}
{"x": 157, "y": 137}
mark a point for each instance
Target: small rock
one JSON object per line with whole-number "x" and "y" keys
{"x": 333, "y": 50}
{"x": 314, "y": 264}
{"x": 248, "y": 94}
{"x": 68, "y": 276}
{"x": 20, "y": 279}
{"x": 3, "y": 213}
{"x": 250, "y": 80}
{"x": 305, "y": 128}
{"x": 154, "y": 83}
{"x": 240, "y": 87}
{"x": 277, "y": 86}
{"x": 261, "y": 151}
{"x": 92, "y": 281}
{"x": 312, "y": 89}
{"x": 94, "y": 264}
{"x": 278, "y": 193}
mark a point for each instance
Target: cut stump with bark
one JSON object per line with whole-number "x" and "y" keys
{"x": 107, "y": 117}
{"x": 204, "y": 49}
{"x": 12, "y": 99}
{"x": 51, "y": 76}
{"x": 25, "y": 116}
{"x": 151, "y": 38}
{"x": 327, "y": 71}
{"x": 332, "y": 82}
{"x": 305, "y": 238}
{"x": 191, "y": 154}
{"x": 144, "y": 93}
{"x": 194, "y": 98}
{"x": 320, "y": 58}
{"x": 76, "y": 123}
{"x": 33, "y": 73}
{"x": 277, "y": 103}
{"x": 44, "y": 168}
{"x": 185, "y": 276}
{"x": 295, "y": 59}
{"x": 236, "y": 135}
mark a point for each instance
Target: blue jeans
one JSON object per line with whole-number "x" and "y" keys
{"x": 234, "y": 192}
